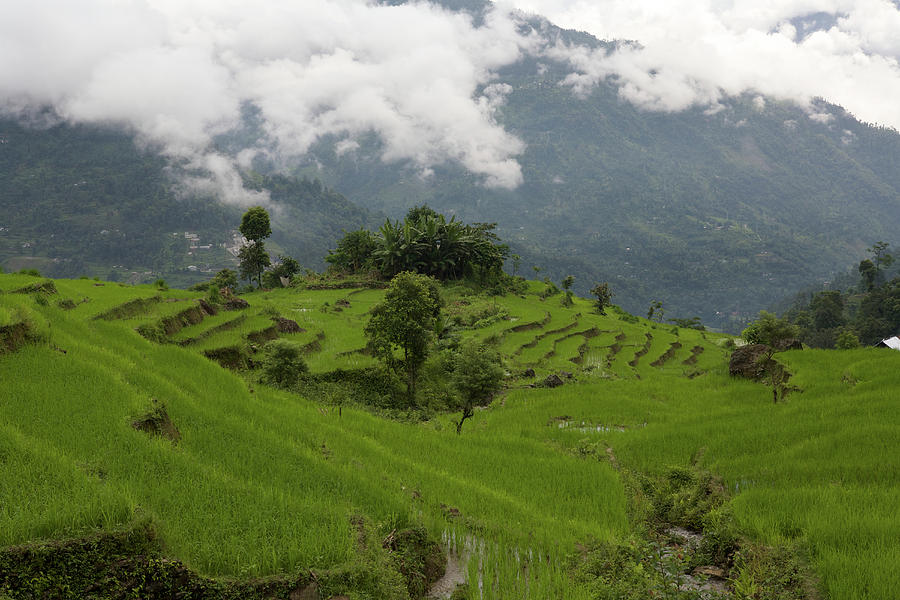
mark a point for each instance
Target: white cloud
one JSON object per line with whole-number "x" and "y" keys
{"x": 178, "y": 72}
{"x": 694, "y": 52}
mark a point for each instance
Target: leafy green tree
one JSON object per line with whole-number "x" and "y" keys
{"x": 477, "y": 376}
{"x": 692, "y": 323}
{"x": 846, "y": 340}
{"x": 776, "y": 334}
{"x": 286, "y": 267}
{"x": 656, "y": 310}
{"x": 283, "y": 364}
{"x": 253, "y": 261}
{"x": 567, "y": 283}
{"x": 880, "y": 255}
{"x": 405, "y": 321}
{"x": 869, "y": 273}
{"x": 255, "y": 225}
{"x": 224, "y": 279}
{"x": 827, "y": 310}
{"x": 604, "y": 297}
{"x": 417, "y": 213}
{"x": 354, "y": 252}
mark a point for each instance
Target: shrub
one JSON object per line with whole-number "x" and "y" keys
{"x": 283, "y": 363}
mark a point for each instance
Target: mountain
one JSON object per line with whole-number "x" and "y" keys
{"x": 77, "y": 200}
{"x": 714, "y": 213}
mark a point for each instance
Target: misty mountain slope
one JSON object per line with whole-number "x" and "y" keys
{"x": 80, "y": 200}
{"x": 711, "y": 212}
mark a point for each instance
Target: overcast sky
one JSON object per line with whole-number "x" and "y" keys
{"x": 178, "y": 71}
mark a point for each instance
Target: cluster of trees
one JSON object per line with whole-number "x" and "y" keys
{"x": 863, "y": 314}
{"x": 424, "y": 242}
{"x": 255, "y": 262}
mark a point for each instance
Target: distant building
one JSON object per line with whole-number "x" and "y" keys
{"x": 893, "y": 343}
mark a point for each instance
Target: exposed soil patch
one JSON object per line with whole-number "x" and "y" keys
{"x": 157, "y": 422}
{"x": 66, "y": 304}
{"x": 745, "y": 361}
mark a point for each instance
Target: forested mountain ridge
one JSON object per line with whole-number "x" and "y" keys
{"x": 78, "y": 200}
{"x": 714, "y": 213}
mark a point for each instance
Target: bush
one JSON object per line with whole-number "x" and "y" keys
{"x": 283, "y": 364}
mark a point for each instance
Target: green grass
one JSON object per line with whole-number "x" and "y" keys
{"x": 264, "y": 482}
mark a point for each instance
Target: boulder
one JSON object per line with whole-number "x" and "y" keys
{"x": 528, "y": 373}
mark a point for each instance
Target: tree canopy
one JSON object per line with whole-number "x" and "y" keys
{"x": 424, "y": 242}
{"x": 405, "y": 321}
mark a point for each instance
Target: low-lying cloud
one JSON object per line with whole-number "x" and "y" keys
{"x": 423, "y": 79}
{"x": 178, "y": 74}
{"x": 697, "y": 52}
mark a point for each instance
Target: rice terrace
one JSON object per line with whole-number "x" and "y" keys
{"x": 149, "y": 450}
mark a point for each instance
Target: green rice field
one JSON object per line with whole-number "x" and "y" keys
{"x": 264, "y": 482}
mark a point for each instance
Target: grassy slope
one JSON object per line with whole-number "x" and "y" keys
{"x": 264, "y": 482}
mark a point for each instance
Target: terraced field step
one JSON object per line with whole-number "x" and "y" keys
{"x": 533, "y": 343}
{"x": 227, "y": 325}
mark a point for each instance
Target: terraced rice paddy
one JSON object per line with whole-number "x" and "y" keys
{"x": 262, "y": 481}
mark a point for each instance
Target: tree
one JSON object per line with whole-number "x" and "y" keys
{"x": 224, "y": 279}
{"x": 255, "y": 224}
{"x": 253, "y": 261}
{"x": 880, "y": 255}
{"x": 657, "y": 310}
{"x": 253, "y": 257}
{"x": 567, "y": 282}
{"x": 286, "y": 267}
{"x": 846, "y": 340}
{"x": 869, "y": 273}
{"x": 405, "y": 321}
{"x": 776, "y": 334}
{"x": 827, "y": 310}
{"x": 604, "y": 297}
{"x": 477, "y": 376}
{"x": 692, "y": 323}
{"x": 354, "y": 253}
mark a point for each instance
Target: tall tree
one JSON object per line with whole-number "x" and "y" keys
{"x": 776, "y": 334}
{"x": 477, "y": 376}
{"x": 255, "y": 225}
{"x": 604, "y": 297}
{"x": 405, "y": 322}
{"x": 254, "y": 259}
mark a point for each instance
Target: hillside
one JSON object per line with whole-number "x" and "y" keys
{"x": 258, "y": 487}
{"x": 82, "y": 200}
